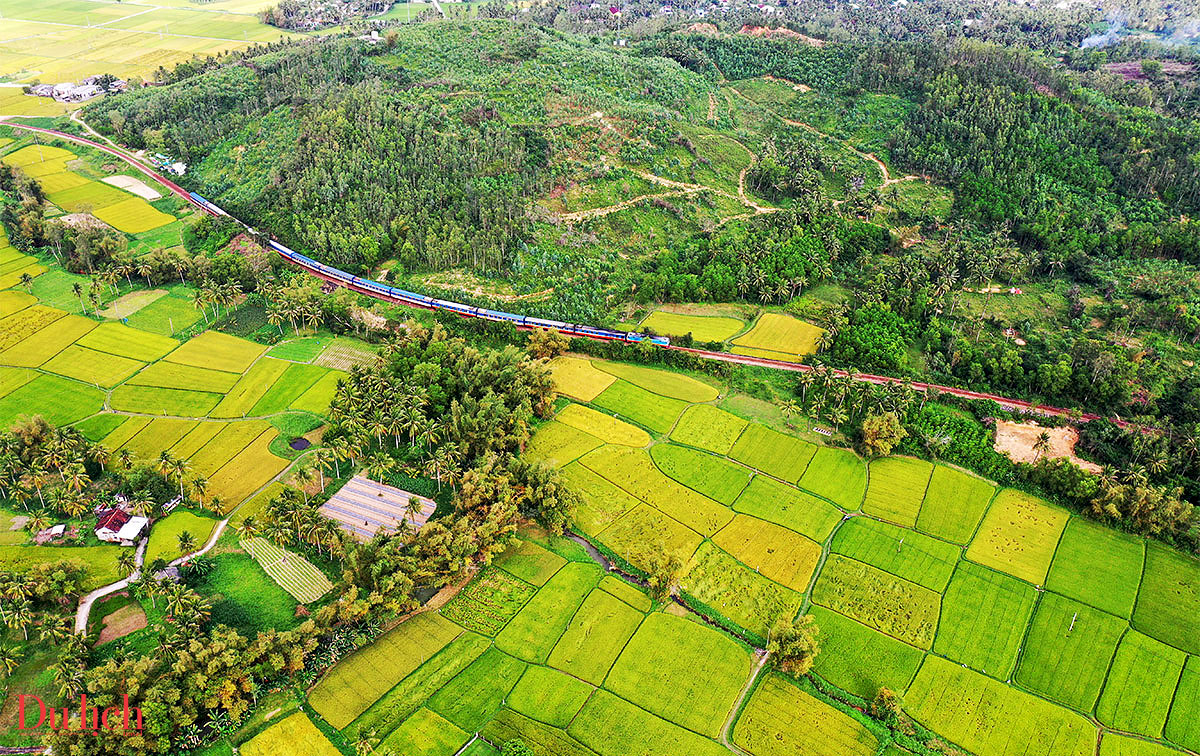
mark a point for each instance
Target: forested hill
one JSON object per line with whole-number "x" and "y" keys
{"x": 429, "y": 147}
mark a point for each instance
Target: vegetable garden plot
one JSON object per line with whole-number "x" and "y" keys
{"x": 838, "y": 475}
{"x": 594, "y": 638}
{"x": 293, "y": 736}
{"x": 903, "y": 610}
{"x": 604, "y": 427}
{"x": 954, "y": 504}
{"x": 291, "y": 571}
{"x": 782, "y": 720}
{"x": 549, "y": 696}
{"x": 661, "y": 382}
{"x": 990, "y": 718}
{"x": 217, "y": 351}
{"x": 702, "y": 327}
{"x": 124, "y": 341}
{"x": 477, "y": 693}
{"x": 557, "y": 444}
{"x": 59, "y": 400}
{"x": 1098, "y": 566}
{"x": 774, "y": 453}
{"x": 715, "y": 477}
{"x": 644, "y": 529}
{"x": 359, "y": 680}
{"x": 750, "y": 600}
{"x": 658, "y": 413}
{"x": 578, "y": 378}
{"x": 533, "y": 632}
{"x": 681, "y": 671}
{"x": 1019, "y": 535}
{"x": 425, "y": 732}
{"x": 1183, "y": 724}
{"x": 176, "y": 376}
{"x": 897, "y": 488}
{"x": 796, "y": 510}
{"x": 860, "y": 660}
{"x": 633, "y": 471}
{"x": 1067, "y": 652}
{"x": 530, "y": 562}
{"x": 611, "y": 726}
{"x": 1140, "y": 685}
{"x": 602, "y": 503}
{"x": 1168, "y": 604}
{"x": 706, "y": 427}
{"x": 776, "y": 552}
{"x": 984, "y": 617}
{"x": 912, "y": 556}
{"x": 488, "y": 602}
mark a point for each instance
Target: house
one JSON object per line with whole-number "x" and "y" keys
{"x": 42, "y": 90}
{"x": 116, "y": 526}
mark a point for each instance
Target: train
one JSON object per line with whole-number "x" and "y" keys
{"x": 387, "y": 293}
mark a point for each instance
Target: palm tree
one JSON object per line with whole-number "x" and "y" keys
{"x": 199, "y": 488}
{"x": 22, "y": 616}
{"x": 9, "y": 658}
{"x": 789, "y": 408}
{"x": 413, "y": 508}
{"x": 304, "y": 476}
{"x": 77, "y": 290}
{"x": 248, "y": 528}
{"x": 125, "y": 458}
{"x": 187, "y": 542}
{"x": 126, "y": 563}
{"x": 54, "y": 629}
{"x": 1042, "y": 445}
{"x": 27, "y": 282}
{"x": 38, "y": 521}
{"x": 143, "y": 506}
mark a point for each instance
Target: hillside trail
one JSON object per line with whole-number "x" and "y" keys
{"x": 712, "y": 107}
{"x": 884, "y": 172}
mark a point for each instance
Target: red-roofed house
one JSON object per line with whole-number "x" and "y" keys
{"x": 116, "y": 526}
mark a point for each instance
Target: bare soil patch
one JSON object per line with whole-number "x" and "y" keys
{"x": 126, "y": 305}
{"x": 82, "y": 220}
{"x": 1018, "y": 439}
{"x": 122, "y": 622}
{"x": 780, "y": 33}
{"x": 133, "y": 186}
{"x": 708, "y": 30}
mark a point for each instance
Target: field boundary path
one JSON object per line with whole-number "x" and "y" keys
{"x": 726, "y": 728}
{"x": 1009, "y": 403}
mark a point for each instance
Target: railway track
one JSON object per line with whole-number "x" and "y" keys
{"x": 1019, "y": 405}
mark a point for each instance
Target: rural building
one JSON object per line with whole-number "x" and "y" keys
{"x": 118, "y": 526}
{"x": 363, "y": 507}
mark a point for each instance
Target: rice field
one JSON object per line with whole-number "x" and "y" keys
{"x": 60, "y": 400}
{"x": 530, "y": 562}
{"x": 711, "y": 328}
{"x": 897, "y": 488}
{"x": 792, "y": 508}
{"x": 706, "y": 427}
{"x": 983, "y": 621}
{"x": 166, "y": 316}
{"x": 579, "y": 379}
{"x": 154, "y": 400}
{"x": 1140, "y": 685}
{"x": 1098, "y": 566}
{"x": 213, "y": 350}
{"x": 558, "y": 444}
{"x": 770, "y": 550}
{"x": 99, "y": 368}
{"x": 782, "y": 720}
{"x": 633, "y": 471}
{"x": 1068, "y": 650}
{"x": 602, "y": 502}
{"x": 954, "y": 504}
{"x": 604, "y": 427}
{"x": 533, "y": 632}
{"x": 642, "y": 529}
{"x": 774, "y": 453}
{"x": 991, "y": 718}
{"x": 425, "y": 732}
{"x": 657, "y": 671}
{"x": 186, "y": 377}
{"x": 861, "y": 660}
{"x": 123, "y": 341}
{"x": 164, "y": 535}
{"x": 906, "y": 611}
{"x": 549, "y": 696}
{"x": 838, "y": 475}
{"x": 594, "y": 638}
{"x": 1019, "y": 535}
{"x": 1169, "y": 600}
{"x": 292, "y": 736}
{"x": 241, "y": 397}
{"x": 643, "y": 407}
{"x": 1183, "y": 724}
{"x": 661, "y": 382}
{"x": 912, "y": 556}
{"x": 488, "y": 602}
{"x": 611, "y": 726}
{"x": 292, "y": 572}
{"x": 713, "y": 476}
{"x": 780, "y": 337}
{"x": 474, "y": 696}
{"x": 730, "y": 588}
{"x": 359, "y": 680}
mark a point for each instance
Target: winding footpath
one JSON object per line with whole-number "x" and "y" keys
{"x": 1019, "y": 405}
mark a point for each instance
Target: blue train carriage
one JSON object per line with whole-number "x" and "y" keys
{"x": 207, "y": 205}
{"x": 501, "y": 316}
{"x": 461, "y": 309}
